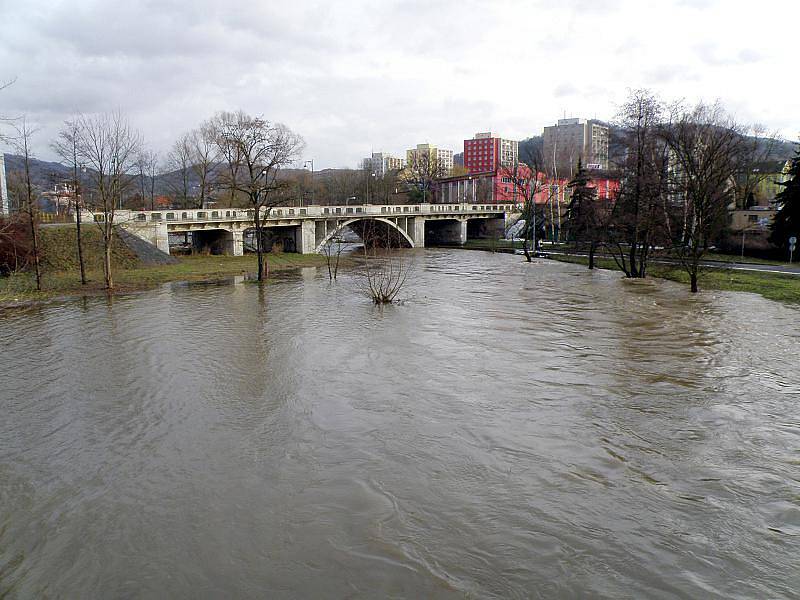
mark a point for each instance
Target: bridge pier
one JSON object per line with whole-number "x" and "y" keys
{"x": 462, "y": 232}
{"x": 305, "y": 237}
{"x": 233, "y": 242}
{"x": 417, "y": 232}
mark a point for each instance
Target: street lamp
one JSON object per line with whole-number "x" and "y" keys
{"x": 368, "y": 178}
{"x": 305, "y": 164}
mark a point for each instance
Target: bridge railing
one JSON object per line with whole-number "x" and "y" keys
{"x": 304, "y": 212}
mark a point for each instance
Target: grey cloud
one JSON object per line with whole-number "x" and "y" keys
{"x": 663, "y": 74}
{"x": 565, "y": 89}
{"x": 711, "y": 54}
{"x": 347, "y": 76}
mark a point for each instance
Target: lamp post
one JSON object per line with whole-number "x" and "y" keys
{"x": 371, "y": 175}
{"x": 305, "y": 164}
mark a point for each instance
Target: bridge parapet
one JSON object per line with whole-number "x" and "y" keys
{"x": 306, "y": 212}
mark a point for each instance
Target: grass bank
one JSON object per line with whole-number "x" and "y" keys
{"x": 492, "y": 245}
{"x": 775, "y": 286}
{"x": 60, "y": 275}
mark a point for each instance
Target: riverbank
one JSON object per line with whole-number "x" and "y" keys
{"x": 21, "y": 288}
{"x": 774, "y": 286}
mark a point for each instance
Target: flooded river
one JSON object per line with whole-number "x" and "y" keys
{"x": 510, "y": 430}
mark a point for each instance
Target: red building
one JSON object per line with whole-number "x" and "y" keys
{"x": 487, "y": 153}
{"x": 607, "y": 189}
{"x": 486, "y": 187}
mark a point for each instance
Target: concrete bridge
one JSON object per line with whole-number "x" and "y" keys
{"x": 308, "y": 229}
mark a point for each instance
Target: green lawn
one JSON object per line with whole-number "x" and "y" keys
{"x": 492, "y": 244}
{"x": 20, "y": 288}
{"x": 737, "y": 258}
{"x": 775, "y": 286}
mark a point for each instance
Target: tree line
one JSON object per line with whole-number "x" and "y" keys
{"x": 239, "y": 156}
{"x": 681, "y": 170}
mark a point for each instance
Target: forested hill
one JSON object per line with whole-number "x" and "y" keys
{"x": 44, "y": 174}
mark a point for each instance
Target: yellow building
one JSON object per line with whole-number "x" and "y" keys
{"x": 431, "y": 153}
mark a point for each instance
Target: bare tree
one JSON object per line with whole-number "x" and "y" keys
{"x": 109, "y": 146}
{"x": 421, "y": 174}
{"x": 4, "y": 118}
{"x": 339, "y": 186}
{"x": 146, "y": 172}
{"x": 707, "y": 150}
{"x": 332, "y": 250}
{"x": 28, "y": 201}
{"x": 203, "y": 157}
{"x": 527, "y": 179}
{"x": 67, "y": 146}
{"x": 256, "y": 151}
{"x": 385, "y": 271}
{"x": 15, "y": 246}
{"x": 636, "y": 223}
{"x": 179, "y": 163}
{"x": 759, "y": 149}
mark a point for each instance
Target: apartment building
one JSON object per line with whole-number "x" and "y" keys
{"x": 382, "y": 163}
{"x": 485, "y": 152}
{"x": 571, "y": 140}
{"x": 429, "y": 152}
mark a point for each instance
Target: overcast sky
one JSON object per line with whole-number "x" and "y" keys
{"x": 352, "y": 77}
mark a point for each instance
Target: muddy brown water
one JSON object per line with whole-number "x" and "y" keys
{"x": 509, "y": 430}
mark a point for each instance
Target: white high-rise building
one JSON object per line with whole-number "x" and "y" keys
{"x": 4, "y": 206}
{"x": 381, "y": 163}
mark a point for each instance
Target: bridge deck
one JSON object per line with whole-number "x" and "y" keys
{"x": 301, "y": 213}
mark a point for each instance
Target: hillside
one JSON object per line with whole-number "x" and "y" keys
{"x": 46, "y": 174}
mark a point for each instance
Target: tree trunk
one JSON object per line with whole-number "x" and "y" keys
{"x": 632, "y": 261}
{"x": 693, "y": 280}
{"x": 260, "y": 254}
{"x": 592, "y": 248}
{"x": 35, "y": 241}
{"x": 108, "y": 234}
{"x": 80, "y": 245}
{"x": 259, "y": 246}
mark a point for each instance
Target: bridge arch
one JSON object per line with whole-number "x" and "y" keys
{"x": 387, "y": 232}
